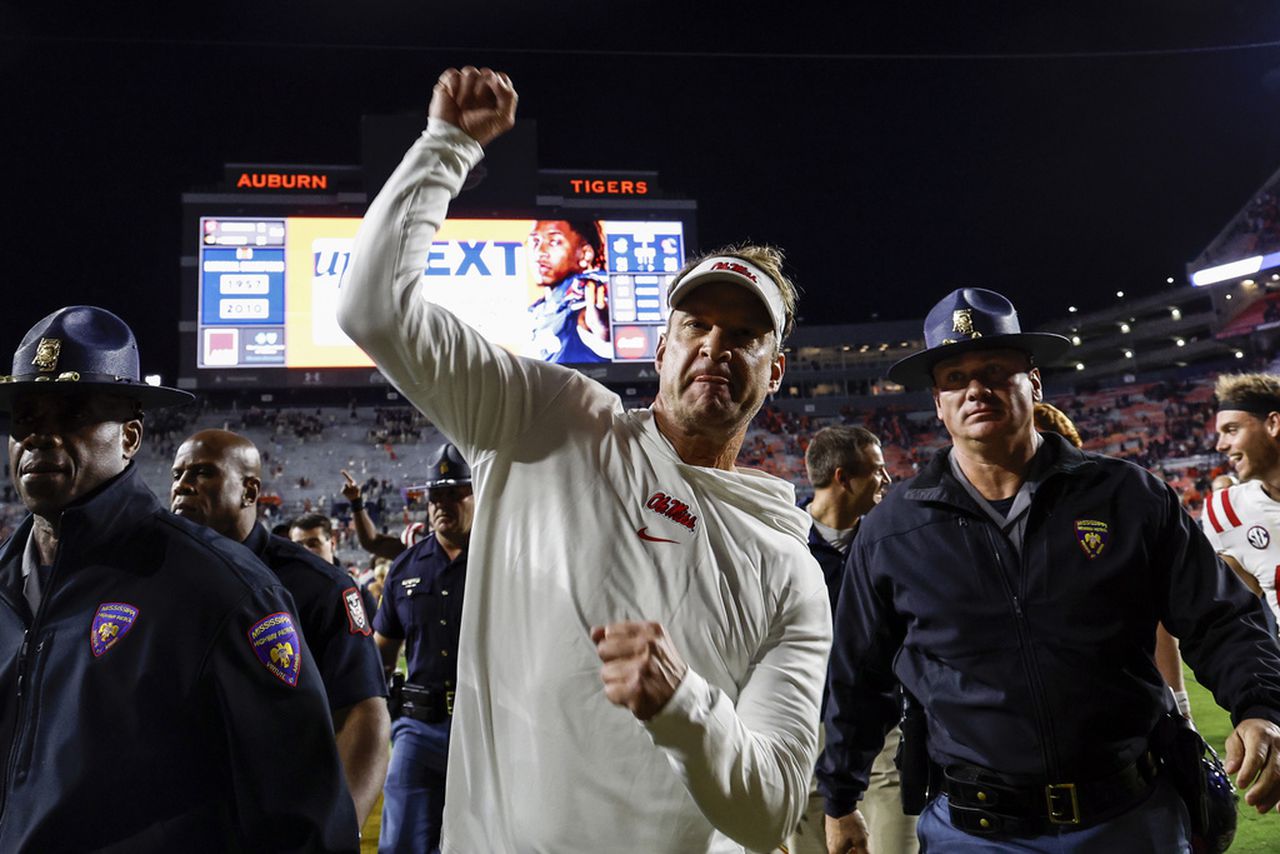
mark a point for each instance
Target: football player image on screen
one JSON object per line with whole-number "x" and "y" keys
{"x": 571, "y": 319}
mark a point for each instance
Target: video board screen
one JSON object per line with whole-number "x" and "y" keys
{"x": 575, "y": 292}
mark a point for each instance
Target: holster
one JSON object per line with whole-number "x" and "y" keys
{"x": 1200, "y": 780}
{"x": 395, "y": 695}
{"x": 912, "y": 759}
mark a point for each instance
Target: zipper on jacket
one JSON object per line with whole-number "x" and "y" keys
{"x": 1038, "y": 699}
{"x": 1037, "y": 676}
{"x": 19, "y": 722}
{"x": 24, "y": 692}
{"x": 22, "y": 743}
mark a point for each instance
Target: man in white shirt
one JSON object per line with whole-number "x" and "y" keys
{"x": 692, "y": 584}
{"x": 1243, "y": 521}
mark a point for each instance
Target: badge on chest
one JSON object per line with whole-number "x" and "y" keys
{"x": 1092, "y": 536}
{"x": 111, "y": 622}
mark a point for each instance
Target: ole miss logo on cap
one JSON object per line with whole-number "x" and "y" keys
{"x": 734, "y": 267}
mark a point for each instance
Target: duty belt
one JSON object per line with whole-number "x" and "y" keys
{"x": 983, "y": 804}
{"x": 430, "y": 705}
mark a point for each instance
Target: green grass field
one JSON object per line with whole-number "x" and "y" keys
{"x": 1256, "y": 835}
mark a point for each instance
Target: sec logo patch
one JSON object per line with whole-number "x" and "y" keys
{"x": 1258, "y": 537}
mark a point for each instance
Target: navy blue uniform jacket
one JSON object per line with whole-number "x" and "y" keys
{"x": 1039, "y": 668}
{"x": 136, "y": 714}
{"x": 338, "y": 629}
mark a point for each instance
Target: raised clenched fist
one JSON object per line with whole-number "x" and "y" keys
{"x": 642, "y": 668}
{"x": 480, "y": 101}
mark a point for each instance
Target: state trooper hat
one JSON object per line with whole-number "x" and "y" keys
{"x": 448, "y": 469}
{"x": 970, "y": 319}
{"x": 83, "y": 348}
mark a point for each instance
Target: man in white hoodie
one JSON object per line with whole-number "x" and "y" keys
{"x": 692, "y": 596}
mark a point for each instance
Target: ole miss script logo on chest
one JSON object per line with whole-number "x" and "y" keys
{"x": 671, "y": 508}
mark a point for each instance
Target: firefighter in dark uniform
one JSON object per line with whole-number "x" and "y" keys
{"x": 156, "y": 694}
{"x": 422, "y": 606}
{"x": 217, "y": 476}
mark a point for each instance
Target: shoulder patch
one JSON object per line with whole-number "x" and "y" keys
{"x": 274, "y": 641}
{"x": 111, "y": 622}
{"x": 357, "y": 619}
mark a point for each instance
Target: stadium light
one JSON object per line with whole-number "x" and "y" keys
{"x": 1119, "y": 294}
{"x": 1239, "y": 354}
{"x": 1075, "y": 339}
{"x": 1169, "y": 281}
{"x": 1072, "y": 309}
{"x": 1223, "y": 272}
{"x": 1079, "y": 366}
{"x": 1125, "y": 328}
{"x": 1128, "y": 354}
{"x": 152, "y": 379}
{"x": 1228, "y": 296}
{"x": 1175, "y": 313}
{"x": 1181, "y": 342}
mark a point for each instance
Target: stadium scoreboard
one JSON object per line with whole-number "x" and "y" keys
{"x": 264, "y": 254}
{"x": 268, "y": 286}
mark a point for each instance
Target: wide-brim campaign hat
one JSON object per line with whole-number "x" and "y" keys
{"x": 970, "y": 319}
{"x": 83, "y": 348}
{"x": 447, "y": 469}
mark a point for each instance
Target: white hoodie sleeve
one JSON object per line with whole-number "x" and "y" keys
{"x": 476, "y": 392}
{"x": 748, "y": 766}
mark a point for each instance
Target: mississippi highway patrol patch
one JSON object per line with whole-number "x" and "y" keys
{"x": 275, "y": 642}
{"x": 1092, "y": 536}
{"x": 357, "y": 620}
{"x": 111, "y": 622}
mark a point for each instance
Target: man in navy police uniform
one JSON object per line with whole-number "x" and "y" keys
{"x": 156, "y": 694}
{"x": 217, "y": 476}
{"x": 422, "y": 605}
{"x": 1014, "y": 587}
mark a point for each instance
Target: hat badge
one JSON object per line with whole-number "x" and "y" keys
{"x": 47, "y": 352}
{"x": 444, "y": 467}
{"x": 962, "y": 323}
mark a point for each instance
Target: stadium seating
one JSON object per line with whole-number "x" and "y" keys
{"x": 1163, "y": 426}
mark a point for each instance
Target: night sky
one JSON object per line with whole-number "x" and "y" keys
{"x": 1055, "y": 157}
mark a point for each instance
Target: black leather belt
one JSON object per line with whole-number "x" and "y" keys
{"x": 427, "y": 704}
{"x": 983, "y": 804}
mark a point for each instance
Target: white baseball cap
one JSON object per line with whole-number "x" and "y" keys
{"x": 729, "y": 268}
